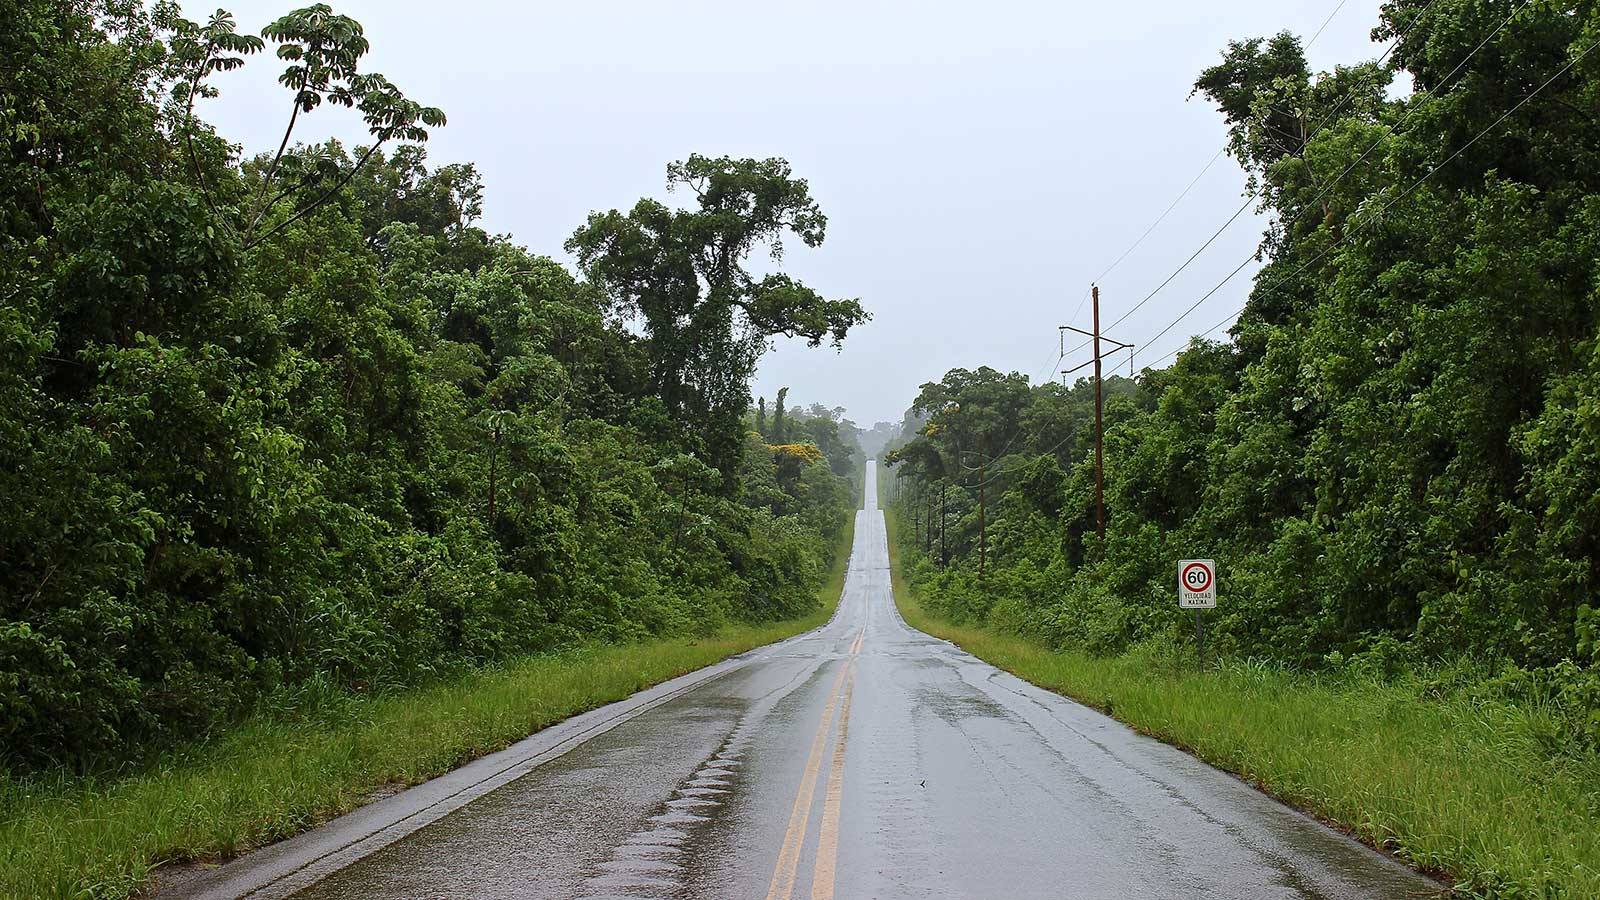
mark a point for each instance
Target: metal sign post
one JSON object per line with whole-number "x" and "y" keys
{"x": 1199, "y": 638}
{"x": 1197, "y": 590}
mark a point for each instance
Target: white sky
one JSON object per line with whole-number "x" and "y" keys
{"x": 979, "y": 164}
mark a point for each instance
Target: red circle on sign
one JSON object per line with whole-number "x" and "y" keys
{"x": 1202, "y": 587}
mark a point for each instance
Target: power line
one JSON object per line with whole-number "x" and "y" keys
{"x": 1220, "y": 151}
{"x": 1095, "y": 337}
{"x": 1384, "y": 210}
{"x": 1387, "y": 52}
{"x": 1074, "y": 318}
{"x": 1007, "y": 448}
{"x": 1207, "y": 296}
{"x": 1004, "y": 472}
{"x": 1192, "y": 257}
{"x": 1431, "y": 92}
{"x": 1061, "y": 354}
{"x": 1162, "y": 218}
{"x": 1375, "y": 144}
{"x": 1325, "y": 23}
{"x": 1233, "y": 316}
{"x": 1253, "y": 195}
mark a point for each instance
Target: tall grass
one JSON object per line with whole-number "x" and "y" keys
{"x": 273, "y": 778}
{"x": 1460, "y": 785}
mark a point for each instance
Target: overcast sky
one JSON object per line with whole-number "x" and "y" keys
{"x": 979, "y": 164}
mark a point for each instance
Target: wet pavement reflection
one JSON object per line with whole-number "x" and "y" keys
{"x": 864, "y": 759}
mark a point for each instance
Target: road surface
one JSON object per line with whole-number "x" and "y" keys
{"x": 861, "y": 760}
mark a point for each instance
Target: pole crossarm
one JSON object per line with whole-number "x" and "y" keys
{"x": 1090, "y": 334}
{"x": 1097, "y": 339}
{"x": 1091, "y": 362}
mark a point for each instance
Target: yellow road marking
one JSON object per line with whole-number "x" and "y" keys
{"x": 782, "y": 887}
{"x": 783, "y": 877}
{"x": 828, "y": 835}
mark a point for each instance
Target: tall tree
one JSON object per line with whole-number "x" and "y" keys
{"x": 378, "y": 445}
{"x": 780, "y": 425}
{"x": 681, "y": 275}
{"x": 1399, "y": 446}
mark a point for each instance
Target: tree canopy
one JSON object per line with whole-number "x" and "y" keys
{"x": 1395, "y": 453}
{"x": 296, "y": 421}
{"x": 681, "y": 274}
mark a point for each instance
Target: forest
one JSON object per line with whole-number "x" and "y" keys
{"x": 1394, "y": 453}
{"x": 296, "y": 421}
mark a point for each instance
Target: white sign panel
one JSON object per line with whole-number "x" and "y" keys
{"x": 1197, "y": 584}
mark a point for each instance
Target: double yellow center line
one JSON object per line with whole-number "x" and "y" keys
{"x": 783, "y": 877}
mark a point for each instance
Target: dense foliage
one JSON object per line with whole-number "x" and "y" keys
{"x": 297, "y": 418}
{"x": 1397, "y": 457}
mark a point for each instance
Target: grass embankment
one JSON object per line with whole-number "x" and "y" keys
{"x": 1466, "y": 788}
{"x": 268, "y": 780}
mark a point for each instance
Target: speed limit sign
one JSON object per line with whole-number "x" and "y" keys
{"x": 1197, "y": 584}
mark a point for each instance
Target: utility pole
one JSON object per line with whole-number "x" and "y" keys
{"x": 944, "y": 506}
{"x": 1095, "y": 337}
{"x": 983, "y": 541}
{"x": 1099, "y": 431}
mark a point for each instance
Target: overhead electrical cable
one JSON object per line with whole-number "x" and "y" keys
{"x": 1325, "y": 23}
{"x": 1384, "y": 210}
{"x": 1322, "y": 193}
{"x": 1232, "y": 317}
{"x": 1159, "y": 219}
{"x": 1255, "y": 194}
{"x": 1218, "y": 155}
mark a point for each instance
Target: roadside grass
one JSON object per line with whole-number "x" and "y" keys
{"x": 1463, "y": 787}
{"x": 268, "y": 780}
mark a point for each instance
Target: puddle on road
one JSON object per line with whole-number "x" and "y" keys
{"x": 659, "y": 859}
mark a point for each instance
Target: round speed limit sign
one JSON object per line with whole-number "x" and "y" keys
{"x": 1197, "y": 584}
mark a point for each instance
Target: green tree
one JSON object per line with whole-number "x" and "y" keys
{"x": 1390, "y": 457}
{"x": 780, "y": 422}
{"x": 323, "y": 51}
{"x": 681, "y": 274}
{"x": 359, "y": 444}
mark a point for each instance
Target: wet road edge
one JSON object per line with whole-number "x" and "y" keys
{"x": 294, "y": 863}
{"x": 1439, "y": 883}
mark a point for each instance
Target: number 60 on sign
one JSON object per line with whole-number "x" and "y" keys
{"x": 1197, "y": 584}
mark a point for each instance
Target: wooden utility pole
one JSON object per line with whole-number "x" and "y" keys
{"x": 1099, "y": 431}
{"x": 983, "y": 541}
{"x": 944, "y": 507}
{"x": 1095, "y": 338}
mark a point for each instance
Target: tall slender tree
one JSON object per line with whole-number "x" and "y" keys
{"x": 780, "y": 421}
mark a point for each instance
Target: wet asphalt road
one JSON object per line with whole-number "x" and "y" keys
{"x": 864, "y": 759}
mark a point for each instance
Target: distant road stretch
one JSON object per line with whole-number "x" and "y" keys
{"x": 861, "y": 760}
